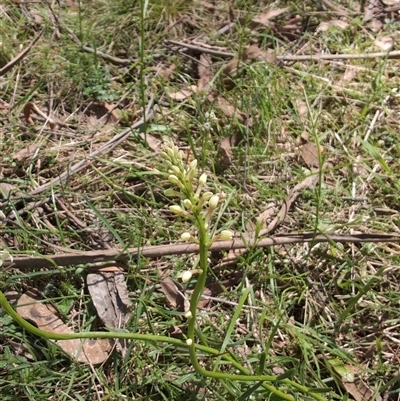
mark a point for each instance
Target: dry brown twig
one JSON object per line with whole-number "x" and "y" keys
{"x": 73, "y": 258}
{"x": 288, "y": 57}
{"x": 107, "y": 147}
{"x": 19, "y": 57}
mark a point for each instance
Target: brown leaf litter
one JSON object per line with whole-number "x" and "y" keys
{"x": 44, "y": 316}
{"x": 266, "y": 17}
{"x": 251, "y": 53}
{"x": 174, "y": 293}
{"x": 31, "y": 107}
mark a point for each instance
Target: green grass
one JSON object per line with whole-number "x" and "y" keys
{"x": 308, "y": 304}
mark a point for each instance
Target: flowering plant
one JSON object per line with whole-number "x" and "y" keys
{"x": 198, "y": 206}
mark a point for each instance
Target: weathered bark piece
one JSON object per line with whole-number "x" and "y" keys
{"x": 109, "y": 294}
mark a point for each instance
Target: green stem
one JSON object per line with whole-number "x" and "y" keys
{"x": 246, "y": 376}
{"x": 157, "y": 338}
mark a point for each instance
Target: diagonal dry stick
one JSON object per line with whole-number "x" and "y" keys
{"x": 73, "y": 258}
{"x": 20, "y": 56}
{"x": 111, "y": 144}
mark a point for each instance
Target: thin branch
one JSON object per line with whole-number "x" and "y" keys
{"x": 74, "y": 258}
{"x": 107, "y": 147}
{"x": 300, "y": 57}
{"x": 201, "y": 49}
{"x": 19, "y": 57}
{"x": 346, "y": 56}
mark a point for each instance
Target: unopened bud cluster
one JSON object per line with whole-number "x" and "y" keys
{"x": 188, "y": 188}
{"x": 195, "y": 200}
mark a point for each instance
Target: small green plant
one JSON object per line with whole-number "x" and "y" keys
{"x": 198, "y": 207}
{"x": 88, "y": 76}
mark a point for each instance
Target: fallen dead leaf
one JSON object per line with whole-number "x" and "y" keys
{"x": 308, "y": 183}
{"x": 93, "y": 352}
{"x": 309, "y": 154}
{"x": 175, "y": 331}
{"x": 230, "y": 110}
{"x": 173, "y": 292}
{"x": 267, "y": 214}
{"x": 304, "y": 137}
{"x": 349, "y": 75}
{"x": 265, "y": 17}
{"x": 182, "y": 94}
{"x": 164, "y": 72}
{"x": 225, "y": 149}
{"x": 349, "y": 378}
{"x": 334, "y": 23}
{"x": 370, "y": 7}
{"x": 7, "y": 190}
{"x": 101, "y": 113}
{"x": 109, "y": 295}
{"x": 204, "y": 69}
{"x": 262, "y": 219}
{"x": 4, "y": 106}
{"x": 25, "y": 153}
{"x": 375, "y": 25}
{"x": 302, "y": 110}
{"x": 27, "y": 113}
{"x": 210, "y": 290}
{"x": 251, "y": 53}
{"x": 214, "y": 289}
{"x": 29, "y": 108}
{"x": 153, "y": 143}
{"x": 228, "y": 73}
{"x": 384, "y": 43}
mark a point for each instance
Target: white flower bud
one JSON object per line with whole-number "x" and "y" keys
{"x": 206, "y": 196}
{"x": 177, "y": 210}
{"x": 4, "y": 255}
{"x": 190, "y": 175}
{"x": 203, "y": 179}
{"x": 186, "y": 276}
{"x": 213, "y": 203}
{"x": 175, "y": 170}
{"x": 174, "y": 179}
{"x": 193, "y": 164}
{"x": 186, "y": 237}
{"x": 188, "y": 204}
{"x": 189, "y": 342}
{"x": 171, "y": 193}
{"x": 170, "y": 152}
{"x": 226, "y": 235}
